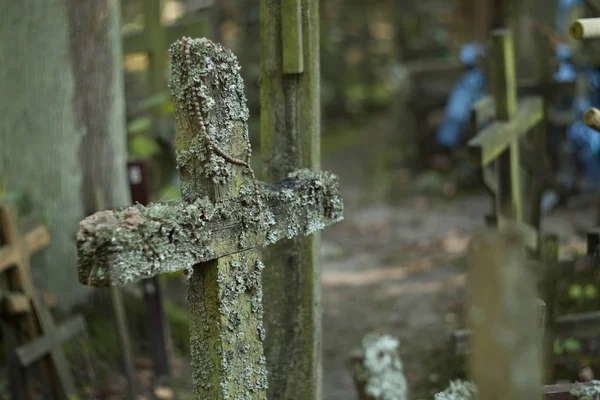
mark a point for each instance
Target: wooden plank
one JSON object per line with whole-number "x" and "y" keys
{"x": 548, "y": 256}
{"x": 580, "y": 325}
{"x": 217, "y": 340}
{"x": 121, "y": 320}
{"x": 291, "y": 37}
{"x": 18, "y": 303}
{"x": 123, "y": 332}
{"x": 17, "y": 379}
{"x": 290, "y": 139}
{"x": 156, "y": 323}
{"x": 8, "y": 257}
{"x": 156, "y": 326}
{"x": 561, "y": 391}
{"x": 157, "y": 44}
{"x": 505, "y": 334}
{"x": 483, "y": 112}
{"x": 33, "y": 351}
{"x": 490, "y": 179}
{"x": 496, "y": 139}
{"x": 37, "y": 239}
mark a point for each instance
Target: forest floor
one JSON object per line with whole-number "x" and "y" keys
{"x": 397, "y": 264}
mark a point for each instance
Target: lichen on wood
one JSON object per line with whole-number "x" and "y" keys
{"x": 587, "y": 392}
{"x": 123, "y": 246}
{"x": 377, "y": 369}
{"x": 212, "y": 234}
{"x": 210, "y": 80}
{"x": 226, "y": 328}
{"x": 459, "y": 390}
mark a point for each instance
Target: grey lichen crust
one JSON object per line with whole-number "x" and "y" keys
{"x": 459, "y": 390}
{"x": 587, "y": 392}
{"x": 377, "y": 369}
{"x": 226, "y": 328}
{"x": 119, "y": 247}
{"x": 209, "y": 94}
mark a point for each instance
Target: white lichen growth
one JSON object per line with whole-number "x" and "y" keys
{"x": 459, "y": 390}
{"x": 587, "y": 392}
{"x": 377, "y": 368}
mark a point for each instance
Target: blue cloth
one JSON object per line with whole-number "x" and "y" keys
{"x": 466, "y": 92}
{"x": 585, "y": 144}
{"x": 469, "y": 53}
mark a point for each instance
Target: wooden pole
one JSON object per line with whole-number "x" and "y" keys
{"x": 121, "y": 320}
{"x": 290, "y": 139}
{"x": 504, "y": 363}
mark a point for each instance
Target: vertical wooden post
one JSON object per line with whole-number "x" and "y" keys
{"x": 121, "y": 320}
{"x": 504, "y": 363}
{"x": 156, "y": 324}
{"x": 156, "y": 40}
{"x": 549, "y": 259}
{"x": 504, "y": 87}
{"x": 290, "y": 139}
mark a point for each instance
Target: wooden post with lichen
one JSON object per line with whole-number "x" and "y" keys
{"x": 504, "y": 362}
{"x": 225, "y": 214}
{"x": 290, "y": 139}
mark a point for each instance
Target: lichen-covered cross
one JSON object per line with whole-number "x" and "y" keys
{"x": 213, "y": 233}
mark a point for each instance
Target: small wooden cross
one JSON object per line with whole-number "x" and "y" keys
{"x": 214, "y": 232}
{"x": 15, "y": 252}
{"x": 500, "y": 143}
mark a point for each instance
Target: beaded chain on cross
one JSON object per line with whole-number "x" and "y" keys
{"x": 197, "y": 113}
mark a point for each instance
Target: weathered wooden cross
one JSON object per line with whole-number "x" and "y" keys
{"x": 500, "y": 143}
{"x": 213, "y": 233}
{"x": 47, "y": 340}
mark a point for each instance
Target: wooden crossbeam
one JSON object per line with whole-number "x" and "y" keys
{"x": 499, "y": 136}
{"x": 14, "y": 303}
{"x": 51, "y": 341}
{"x": 121, "y": 321}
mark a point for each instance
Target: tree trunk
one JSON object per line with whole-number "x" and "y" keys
{"x": 62, "y": 133}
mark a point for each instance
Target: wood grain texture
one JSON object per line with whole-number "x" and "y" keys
{"x": 290, "y": 139}
{"x": 504, "y": 362}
